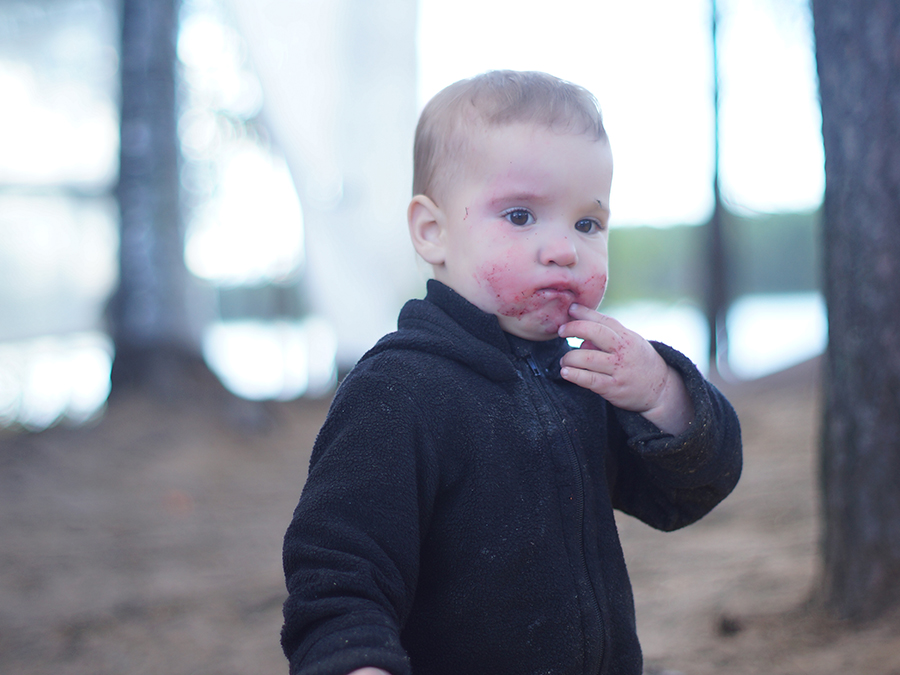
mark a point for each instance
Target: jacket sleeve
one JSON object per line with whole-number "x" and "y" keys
{"x": 672, "y": 481}
{"x": 351, "y": 550}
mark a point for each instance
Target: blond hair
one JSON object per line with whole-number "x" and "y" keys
{"x": 495, "y": 98}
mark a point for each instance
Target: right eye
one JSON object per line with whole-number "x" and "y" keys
{"x": 519, "y": 217}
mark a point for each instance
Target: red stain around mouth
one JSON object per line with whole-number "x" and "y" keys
{"x": 548, "y": 307}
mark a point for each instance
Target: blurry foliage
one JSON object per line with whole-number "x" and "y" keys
{"x": 650, "y": 262}
{"x": 772, "y": 253}
{"x": 267, "y": 302}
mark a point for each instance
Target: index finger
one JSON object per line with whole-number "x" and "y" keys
{"x": 582, "y": 313}
{"x": 596, "y": 335}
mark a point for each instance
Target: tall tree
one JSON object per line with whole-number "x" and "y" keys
{"x": 716, "y": 288}
{"x": 858, "y": 56}
{"x": 148, "y": 313}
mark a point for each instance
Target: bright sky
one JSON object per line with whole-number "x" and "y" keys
{"x": 647, "y": 61}
{"x": 650, "y": 65}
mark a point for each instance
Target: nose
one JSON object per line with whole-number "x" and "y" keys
{"x": 560, "y": 251}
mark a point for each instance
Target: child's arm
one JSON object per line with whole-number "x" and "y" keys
{"x": 351, "y": 552}
{"x": 625, "y": 369}
{"x": 674, "y": 439}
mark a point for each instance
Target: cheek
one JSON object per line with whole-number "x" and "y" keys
{"x": 505, "y": 282}
{"x": 500, "y": 269}
{"x": 593, "y": 290}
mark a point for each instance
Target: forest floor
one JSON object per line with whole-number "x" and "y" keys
{"x": 150, "y": 542}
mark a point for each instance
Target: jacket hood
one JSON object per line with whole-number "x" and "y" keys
{"x": 448, "y": 325}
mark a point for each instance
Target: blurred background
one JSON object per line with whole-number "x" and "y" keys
{"x": 294, "y": 123}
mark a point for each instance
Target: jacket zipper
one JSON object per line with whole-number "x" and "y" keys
{"x": 579, "y": 496}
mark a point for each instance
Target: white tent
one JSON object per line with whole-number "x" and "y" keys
{"x": 339, "y": 80}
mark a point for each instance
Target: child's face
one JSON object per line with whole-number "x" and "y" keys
{"x": 524, "y": 230}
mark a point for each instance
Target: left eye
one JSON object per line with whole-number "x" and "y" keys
{"x": 587, "y": 225}
{"x": 519, "y": 217}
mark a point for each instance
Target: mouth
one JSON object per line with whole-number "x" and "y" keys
{"x": 562, "y": 291}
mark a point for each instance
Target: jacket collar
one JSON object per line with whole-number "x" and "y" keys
{"x": 447, "y": 324}
{"x": 480, "y": 324}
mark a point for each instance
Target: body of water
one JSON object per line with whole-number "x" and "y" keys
{"x": 66, "y": 377}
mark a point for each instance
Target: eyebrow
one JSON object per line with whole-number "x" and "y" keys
{"x": 527, "y": 196}
{"x": 523, "y": 196}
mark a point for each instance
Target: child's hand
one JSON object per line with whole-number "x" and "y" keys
{"x": 625, "y": 369}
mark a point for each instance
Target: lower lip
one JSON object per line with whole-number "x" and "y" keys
{"x": 556, "y": 292}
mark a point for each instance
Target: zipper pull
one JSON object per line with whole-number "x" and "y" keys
{"x": 534, "y": 366}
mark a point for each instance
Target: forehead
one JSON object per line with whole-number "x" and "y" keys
{"x": 531, "y": 152}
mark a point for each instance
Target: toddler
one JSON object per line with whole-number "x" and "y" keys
{"x": 458, "y": 513}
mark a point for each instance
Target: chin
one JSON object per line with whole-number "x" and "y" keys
{"x": 535, "y": 333}
{"x": 536, "y": 326}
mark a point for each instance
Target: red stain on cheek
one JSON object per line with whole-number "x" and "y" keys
{"x": 592, "y": 291}
{"x": 506, "y": 289}
{"x": 602, "y": 280}
{"x": 494, "y": 279}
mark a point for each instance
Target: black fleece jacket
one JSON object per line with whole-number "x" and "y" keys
{"x": 458, "y": 514}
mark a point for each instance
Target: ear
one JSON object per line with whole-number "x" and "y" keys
{"x": 426, "y": 229}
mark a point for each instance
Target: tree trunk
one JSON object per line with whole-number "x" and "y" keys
{"x": 858, "y": 55}
{"x": 716, "y": 291}
{"x": 148, "y": 313}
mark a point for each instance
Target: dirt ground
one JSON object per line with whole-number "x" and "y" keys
{"x": 150, "y": 543}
